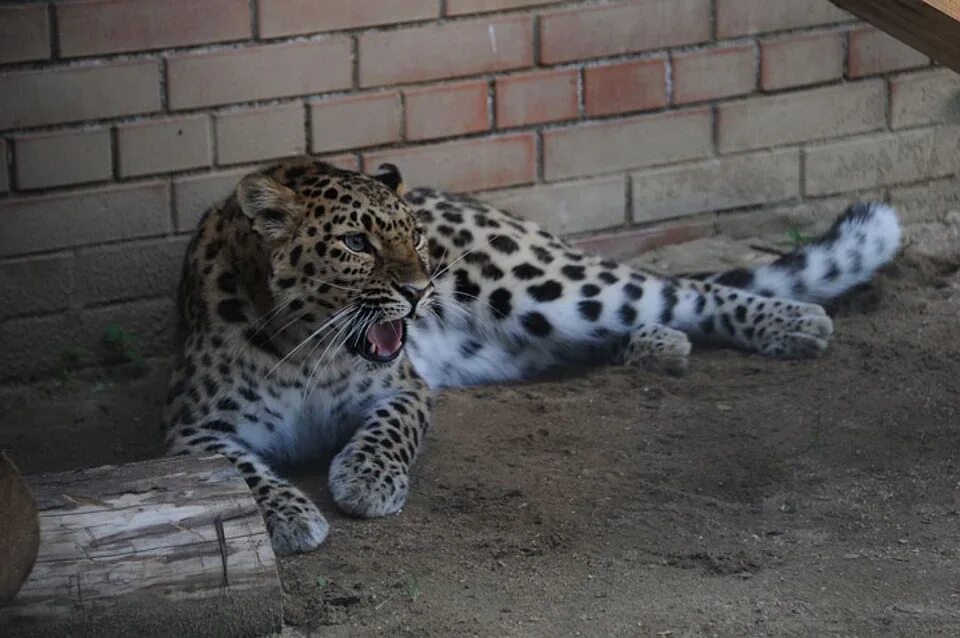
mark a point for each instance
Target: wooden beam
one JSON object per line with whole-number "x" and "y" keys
{"x": 929, "y": 26}
{"x": 169, "y": 547}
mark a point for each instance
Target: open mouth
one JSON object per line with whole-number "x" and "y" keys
{"x": 382, "y": 342}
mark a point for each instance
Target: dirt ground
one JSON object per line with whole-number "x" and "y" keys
{"x": 750, "y": 497}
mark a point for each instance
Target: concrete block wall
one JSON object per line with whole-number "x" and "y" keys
{"x": 621, "y": 122}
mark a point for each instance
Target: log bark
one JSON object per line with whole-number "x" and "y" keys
{"x": 929, "y": 26}
{"x": 169, "y": 547}
{"x": 19, "y": 530}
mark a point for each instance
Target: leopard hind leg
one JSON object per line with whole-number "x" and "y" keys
{"x": 657, "y": 348}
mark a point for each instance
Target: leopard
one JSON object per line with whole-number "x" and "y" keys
{"x": 320, "y": 308}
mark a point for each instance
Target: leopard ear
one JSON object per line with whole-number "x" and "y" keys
{"x": 389, "y": 175}
{"x": 271, "y": 206}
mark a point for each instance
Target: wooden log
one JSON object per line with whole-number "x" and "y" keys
{"x": 170, "y": 547}
{"x": 19, "y": 530}
{"x": 929, "y": 26}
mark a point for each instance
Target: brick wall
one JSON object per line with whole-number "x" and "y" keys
{"x": 121, "y": 120}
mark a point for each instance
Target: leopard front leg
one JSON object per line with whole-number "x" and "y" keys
{"x": 371, "y": 475}
{"x": 293, "y": 521}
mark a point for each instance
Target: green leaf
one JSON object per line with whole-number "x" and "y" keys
{"x": 414, "y": 589}
{"x": 136, "y": 358}
{"x": 797, "y": 238}
{"x": 112, "y": 333}
{"x": 321, "y": 581}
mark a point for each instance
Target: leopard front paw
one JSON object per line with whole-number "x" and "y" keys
{"x": 296, "y": 532}
{"x": 362, "y": 487}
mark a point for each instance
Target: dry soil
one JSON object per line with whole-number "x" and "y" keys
{"x": 750, "y": 497}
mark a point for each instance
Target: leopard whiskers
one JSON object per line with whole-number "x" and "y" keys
{"x": 258, "y": 326}
{"x": 268, "y": 316}
{"x": 354, "y": 326}
{"x": 292, "y": 321}
{"x": 318, "y": 343}
{"x": 333, "y": 285}
{"x": 471, "y": 318}
{"x": 479, "y": 245}
{"x": 473, "y": 297}
{"x": 454, "y": 262}
{"x": 337, "y": 317}
{"x": 336, "y": 341}
{"x": 440, "y": 265}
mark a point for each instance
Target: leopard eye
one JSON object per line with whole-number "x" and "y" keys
{"x": 357, "y": 242}
{"x": 417, "y": 238}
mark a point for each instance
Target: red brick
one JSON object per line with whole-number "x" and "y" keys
{"x": 800, "y": 60}
{"x": 111, "y": 26}
{"x": 70, "y": 94}
{"x": 446, "y": 110}
{"x": 462, "y": 7}
{"x": 64, "y": 157}
{"x": 872, "y": 51}
{"x": 159, "y": 146}
{"x": 24, "y": 33}
{"x": 539, "y": 96}
{"x": 290, "y": 17}
{"x": 581, "y": 33}
{"x": 746, "y": 17}
{"x": 445, "y": 50}
{"x": 640, "y": 85}
{"x": 257, "y": 73}
{"x": 714, "y": 73}
{"x": 259, "y": 134}
{"x": 333, "y": 122}
{"x": 467, "y": 165}
{"x": 595, "y": 148}
{"x": 78, "y": 218}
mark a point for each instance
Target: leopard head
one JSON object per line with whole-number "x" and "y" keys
{"x": 348, "y": 259}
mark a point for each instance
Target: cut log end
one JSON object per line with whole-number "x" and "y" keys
{"x": 19, "y": 530}
{"x": 169, "y": 547}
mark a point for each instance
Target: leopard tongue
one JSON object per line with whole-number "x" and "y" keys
{"x": 386, "y": 338}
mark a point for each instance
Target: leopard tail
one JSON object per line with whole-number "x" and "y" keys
{"x": 863, "y": 239}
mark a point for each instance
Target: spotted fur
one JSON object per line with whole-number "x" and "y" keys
{"x": 283, "y": 280}
{"x": 271, "y": 299}
{"x": 516, "y": 300}
{"x": 864, "y": 238}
